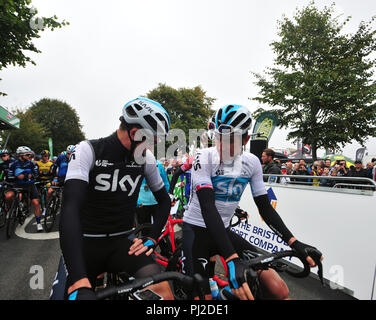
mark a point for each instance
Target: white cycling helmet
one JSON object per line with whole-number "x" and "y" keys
{"x": 23, "y": 150}
{"x": 148, "y": 114}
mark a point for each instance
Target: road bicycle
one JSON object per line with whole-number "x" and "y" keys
{"x": 3, "y": 203}
{"x": 194, "y": 285}
{"x": 52, "y": 208}
{"x": 135, "y": 289}
{"x": 42, "y": 187}
{"x": 18, "y": 212}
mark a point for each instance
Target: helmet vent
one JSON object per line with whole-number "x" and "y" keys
{"x": 130, "y": 111}
{"x": 229, "y": 116}
{"x": 238, "y": 120}
{"x": 151, "y": 121}
{"x": 246, "y": 124}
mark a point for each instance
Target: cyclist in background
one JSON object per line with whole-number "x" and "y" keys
{"x": 4, "y": 166}
{"x": 207, "y": 141}
{"x": 60, "y": 167}
{"x": 25, "y": 173}
{"x": 5, "y": 176}
{"x": 45, "y": 171}
{"x": 147, "y": 206}
{"x": 100, "y": 197}
{"x": 219, "y": 178}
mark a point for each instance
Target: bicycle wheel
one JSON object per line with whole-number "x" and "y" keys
{"x": 12, "y": 221}
{"x": 43, "y": 197}
{"x": 3, "y": 213}
{"x": 50, "y": 215}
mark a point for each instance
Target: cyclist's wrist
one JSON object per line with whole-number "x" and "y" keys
{"x": 233, "y": 256}
{"x": 291, "y": 241}
{"x": 84, "y": 282}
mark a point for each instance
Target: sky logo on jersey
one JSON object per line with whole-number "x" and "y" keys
{"x": 109, "y": 182}
{"x": 228, "y": 189}
{"x": 204, "y": 185}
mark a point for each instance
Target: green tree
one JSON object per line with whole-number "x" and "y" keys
{"x": 60, "y": 121}
{"x": 189, "y": 108}
{"x": 19, "y": 26}
{"x": 321, "y": 85}
{"x": 30, "y": 133}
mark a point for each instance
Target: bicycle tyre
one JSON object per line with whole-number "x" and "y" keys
{"x": 12, "y": 221}
{"x": 50, "y": 215}
{"x": 3, "y": 215}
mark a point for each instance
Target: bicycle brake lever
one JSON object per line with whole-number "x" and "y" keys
{"x": 320, "y": 273}
{"x": 315, "y": 254}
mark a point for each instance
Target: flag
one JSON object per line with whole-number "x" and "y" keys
{"x": 264, "y": 126}
{"x": 50, "y": 146}
{"x": 360, "y": 154}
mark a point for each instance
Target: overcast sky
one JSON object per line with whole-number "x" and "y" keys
{"x": 116, "y": 50}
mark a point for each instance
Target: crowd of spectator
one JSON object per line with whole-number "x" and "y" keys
{"x": 322, "y": 168}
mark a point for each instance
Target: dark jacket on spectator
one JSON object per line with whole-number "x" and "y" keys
{"x": 271, "y": 168}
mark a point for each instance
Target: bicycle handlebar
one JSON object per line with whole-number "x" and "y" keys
{"x": 137, "y": 284}
{"x": 263, "y": 261}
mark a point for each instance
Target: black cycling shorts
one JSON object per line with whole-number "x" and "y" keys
{"x": 111, "y": 255}
{"x": 31, "y": 188}
{"x": 199, "y": 246}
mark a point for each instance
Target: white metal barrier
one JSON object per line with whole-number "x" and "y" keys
{"x": 340, "y": 222}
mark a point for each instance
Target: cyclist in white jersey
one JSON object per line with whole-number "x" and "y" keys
{"x": 219, "y": 177}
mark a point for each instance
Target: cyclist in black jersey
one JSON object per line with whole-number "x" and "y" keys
{"x": 100, "y": 197}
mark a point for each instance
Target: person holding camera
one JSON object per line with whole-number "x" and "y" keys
{"x": 301, "y": 170}
{"x": 343, "y": 170}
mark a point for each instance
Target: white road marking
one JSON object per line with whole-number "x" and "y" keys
{"x": 20, "y": 232}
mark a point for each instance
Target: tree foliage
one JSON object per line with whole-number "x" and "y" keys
{"x": 321, "y": 84}
{"x": 189, "y": 108}
{"x": 19, "y": 26}
{"x": 47, "y": 118}
{"x": 60, "y": 121}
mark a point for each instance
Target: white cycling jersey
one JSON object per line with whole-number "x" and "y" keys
{"x": 227, "y": 180}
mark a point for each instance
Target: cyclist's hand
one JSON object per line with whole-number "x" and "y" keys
{"x": 141, "y": 245}
{"x": 82, "y": 293}
{"x": 241, "y": 214}
{"x": 312, "y": 255}
{"x": 238, "y": 273}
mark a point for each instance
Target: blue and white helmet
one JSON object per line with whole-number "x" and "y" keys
{"x": 4, "y": 151}
{"x": 70, "y": 148}
{"x": 148, "y": 114}
{"x": 232, "y": 118}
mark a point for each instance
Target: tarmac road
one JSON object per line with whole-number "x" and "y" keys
{"x": 28, "y": 262}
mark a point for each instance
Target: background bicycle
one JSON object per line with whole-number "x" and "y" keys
{"x": 18, "y": 212}
{"x": 53, "y": 208}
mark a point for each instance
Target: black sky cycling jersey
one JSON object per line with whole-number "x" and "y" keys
{"x": 100, "y": 196}
{"x": 114, "y": 182}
